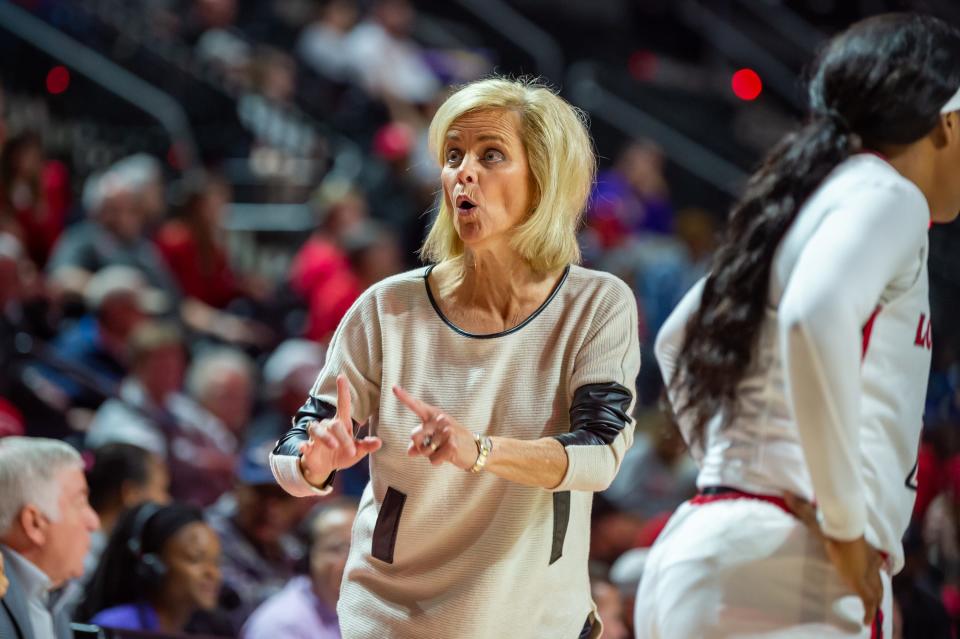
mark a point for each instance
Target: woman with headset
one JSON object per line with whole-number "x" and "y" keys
{"x": 160, "y": 567}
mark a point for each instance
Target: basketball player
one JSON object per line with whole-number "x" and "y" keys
{"x": 798, "y": 367}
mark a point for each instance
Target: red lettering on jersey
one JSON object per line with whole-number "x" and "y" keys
{"x": 868, "y": 330}
{"x": 924, "y": 337}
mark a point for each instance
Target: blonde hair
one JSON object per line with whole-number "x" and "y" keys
{"x": 562, "y": 166}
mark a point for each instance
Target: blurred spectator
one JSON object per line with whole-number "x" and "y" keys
{"x": 941, "y": 526}
{"x": 13, "y": 283}
{"x": 45, "y": 527}
{"x": 398, "y": 185}
{"x": 119, "y": 301}
{"x": 610, "y": 609}
{"x": 612, "y": 531}
{"x": 160, "y": 568}
{"x": 386, "y": 62}
{"x": 144, "y": 174}
{"x": 372, "y": 254}
{"x": 34, "y": 195}
{"x": 27, "y": 320}
{"x": 221, "y": 381}
{"x": 322, "y": 44}
{"x": 288, "y": 375}
{"x": 307, "y": 606}
{"x": 152, "y": 413}
{"x": 273, "y": 74}
{"x": 922, "y": 613}
{"x": 192, "y": 245}
{"x": 697, "y": 231}
{"x": 122, "y": 477}
{"x": 632, "y": 197}
{"x": 656, "y": 474}
{"x": 218, "y": 41}
{"x": 255, "y": 524}
{"x": 626, "y": 574}
{"x": 338, "y": 207}
{"x": 321, "y": 271}
{"x": 114, "y": 234}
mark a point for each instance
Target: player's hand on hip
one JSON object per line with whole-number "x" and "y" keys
{"x": 439, "y": 437}
{"x": 858, "y": 562}
{"x": 331, "y": 445}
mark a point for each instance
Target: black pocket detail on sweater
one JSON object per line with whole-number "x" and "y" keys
{"x": 561, "y": 517}
{"x": 388, "y": 522}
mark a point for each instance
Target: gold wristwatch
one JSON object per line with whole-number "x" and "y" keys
{"x": 484, "y": 446}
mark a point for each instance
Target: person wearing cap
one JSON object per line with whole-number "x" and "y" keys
{"x": 255, "y": 522}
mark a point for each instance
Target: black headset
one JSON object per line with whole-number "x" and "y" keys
{"x": 149, "y": 567}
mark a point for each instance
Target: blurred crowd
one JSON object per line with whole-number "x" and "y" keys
{"x": 128, "y": 331}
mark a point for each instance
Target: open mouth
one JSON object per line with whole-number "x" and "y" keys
{"x": 465, "y": 205}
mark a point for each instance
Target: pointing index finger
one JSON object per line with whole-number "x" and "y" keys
{"x": 411, "y": 402}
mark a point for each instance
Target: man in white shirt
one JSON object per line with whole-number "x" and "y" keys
{"x": 45, "y": 527}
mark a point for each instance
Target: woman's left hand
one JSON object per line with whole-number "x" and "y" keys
{"x": 439, "y": 437}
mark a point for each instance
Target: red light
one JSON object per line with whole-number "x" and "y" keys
{"x": 643, "y": 64}
{"x": 175, "y": 155}
{"x": 58, "y": 79}
{"x": 746, "y": 84}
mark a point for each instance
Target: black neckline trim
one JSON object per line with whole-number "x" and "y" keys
{"x": 533, "y": 316}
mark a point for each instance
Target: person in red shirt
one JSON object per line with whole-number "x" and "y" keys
{"x": 192, "y": 245}
{"x": 34, "y": 195}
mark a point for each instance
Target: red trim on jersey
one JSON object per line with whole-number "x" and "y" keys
{"x": 877, "y": 625}
{"x": 868, "y": 329}
{"x": 732, "y": 493}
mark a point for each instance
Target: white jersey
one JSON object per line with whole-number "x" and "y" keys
{"x": 831, "y": 408}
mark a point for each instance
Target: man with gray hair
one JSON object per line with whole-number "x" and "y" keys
{"x": 45, "y": 527}
{"x": 221, "y": 380}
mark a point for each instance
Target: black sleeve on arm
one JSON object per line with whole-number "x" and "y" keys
{"x": 313, "y": 410}
{"x": 597, "y": 414}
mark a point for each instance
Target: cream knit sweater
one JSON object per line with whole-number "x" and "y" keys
{"x": 439, "y": 552}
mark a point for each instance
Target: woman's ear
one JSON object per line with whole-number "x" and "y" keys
{"x": 947, "y": 131}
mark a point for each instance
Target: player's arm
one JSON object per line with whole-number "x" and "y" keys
{"x": 669, "y": 342}
{"x": 833, "y": 289}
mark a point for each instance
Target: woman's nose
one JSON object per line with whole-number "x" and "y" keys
{"x": 468, "y": 171}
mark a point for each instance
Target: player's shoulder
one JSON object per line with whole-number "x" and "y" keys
{"x": 866, "y": 179}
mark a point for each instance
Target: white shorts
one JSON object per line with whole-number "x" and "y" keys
{"x": 746, "y": 568}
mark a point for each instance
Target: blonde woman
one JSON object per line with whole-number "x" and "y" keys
{"x": 498, "y": 384}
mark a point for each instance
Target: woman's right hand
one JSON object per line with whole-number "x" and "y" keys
{"x": 331, "y": 445}
{"x": 858, "y": 562}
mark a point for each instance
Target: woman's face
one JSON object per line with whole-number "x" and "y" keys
{"x": 486, "y": 178}
{"x": 192, "y": 558}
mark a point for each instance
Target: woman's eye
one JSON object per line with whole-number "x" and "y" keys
{"x": 493, "y": 155}
{"x": 453, "y": 156}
